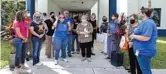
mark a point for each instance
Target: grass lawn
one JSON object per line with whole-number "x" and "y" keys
{"x": 158, "y": 62}
{"x": 5, "y": 50}
{"x": 162, "y": 38}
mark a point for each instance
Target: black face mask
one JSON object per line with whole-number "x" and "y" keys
{"x": 132, "y": 21}
{"x": 53, "y": 16}
{"x": 104, "y": 20}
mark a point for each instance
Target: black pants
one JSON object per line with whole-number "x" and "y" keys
{"x": 86, "y": 49}
{"x": 133, "y": 62}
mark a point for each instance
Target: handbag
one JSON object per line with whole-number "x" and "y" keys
{"x": 100, "y": 37}
{"x": 124, "y": 45}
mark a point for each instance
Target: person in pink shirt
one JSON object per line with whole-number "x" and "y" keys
{"x": 20, "y": 41}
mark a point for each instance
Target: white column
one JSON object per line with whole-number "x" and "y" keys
{"x": 122, "y": 6}
{"x": 42, "y": 6}
{"x": 103, "y": 10}
{"x": 94, "y": 9}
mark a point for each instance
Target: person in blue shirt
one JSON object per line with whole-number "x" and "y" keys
{"x": 70, "y": 36}
{"x": 144, "y": 41}
{"x": 60, "y": 38}
{"x": 112, "y": 40}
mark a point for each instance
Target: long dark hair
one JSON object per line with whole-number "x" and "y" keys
{"x": 20, "y": 16}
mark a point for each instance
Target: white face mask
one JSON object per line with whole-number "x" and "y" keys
{"x": 83, "y": 20}
{"x": 113, "y": 18}
{"x": 28, "y": 14}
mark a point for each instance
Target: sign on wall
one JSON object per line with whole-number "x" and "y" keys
{"x": 156, "y": 16}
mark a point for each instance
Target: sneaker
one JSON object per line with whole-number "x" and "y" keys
{"x": 65, "y": 60}
{"x": 24, "y": 67}
{"x": 105, "y": 53}
{"x": 77, "y": 52}
{"x": 69, "y": 55}
{"x": 107, "y": 58}
{"x": 83, "y": 59}
{"x": 92, "y": 53}
{"x": 89, "y": 59}
{"x": 39, "y": 64}
{"x": 16, "y": 70}
{"x": 56, "y": 62}
{"x": 72, "y": 52}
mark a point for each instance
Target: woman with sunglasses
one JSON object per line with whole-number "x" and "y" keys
{"x": 37, "y": 29}
{"x": 60, "y": 38}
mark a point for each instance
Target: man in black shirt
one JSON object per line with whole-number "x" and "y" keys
{"x": 50, "y": 31}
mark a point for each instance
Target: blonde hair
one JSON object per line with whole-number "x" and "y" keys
{"x": 35, "y": 14}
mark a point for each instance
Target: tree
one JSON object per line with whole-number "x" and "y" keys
{"x": 9, "y": 9}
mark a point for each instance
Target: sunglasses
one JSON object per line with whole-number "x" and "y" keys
{"x": 37, "y": 16}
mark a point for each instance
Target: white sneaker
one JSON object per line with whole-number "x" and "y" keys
{"x": 89, "y": 59}
{"x": 39, "y": 64}
{"x": 83, "y": 59}
{"x": 65, "y": 60}
{"x": 56, "y": 62}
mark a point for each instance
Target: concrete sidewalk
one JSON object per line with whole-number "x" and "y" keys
{"x": 99, "y": 65}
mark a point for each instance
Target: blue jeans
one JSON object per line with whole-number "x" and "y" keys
{"x": 20, "y": 51}
{"x": 144, "y": 62}
{"x": 60, "y": 43}
{"x": 75, "y": 37}
{"x": 37, "y": 45}
{"x": 70, "y": 44}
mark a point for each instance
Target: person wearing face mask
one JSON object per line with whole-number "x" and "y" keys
{"x": 29, "y": 50}
{"x": 93, "y": 21}
{"x": 84, "y": 31}
{"x": 70, "y": 36}
{"x": 52, "y": 15}
{"x": 20, "y": 41}
{"x": 103, "y": 30}
{"x": 50, "y": 31}
{"x": 112, "y": 40}
{"x": 144, "y": 41}
{"x": 75, "y": 35}
{"x": 60, "y": 38}
{"x": 38, "y": 31}
{"x": 134, "y": 66}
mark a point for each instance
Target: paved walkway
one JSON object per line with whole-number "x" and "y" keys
{"x": 99, "y": 65}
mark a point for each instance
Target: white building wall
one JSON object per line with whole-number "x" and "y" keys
{"x": 103, "y": 10}
{"x": 122, "y": 6}
{"x": 94, "y": 9}
{"x": 134, "y": 6}
{"x": 47, "y": 6}
{"x": 41, "y": 6}
{"x": 161, "y": 4}
{"x": 52, "y": 7}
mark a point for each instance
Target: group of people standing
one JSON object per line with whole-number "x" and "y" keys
{"x": 141, "y": 36}
{"x": 59, "y": 33}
